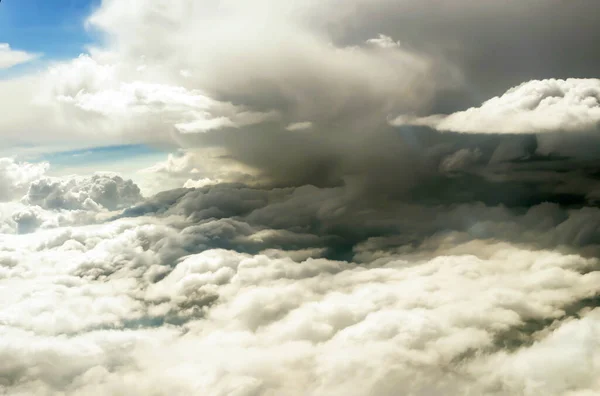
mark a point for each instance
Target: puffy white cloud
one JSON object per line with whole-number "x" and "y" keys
{"x": 29, "y": 199}
{"x": 538, "y": 106}
{"x": 15, "y": 177}
{"x": 10, "y": 57}
{"x": 18, "y": 218}
{"x": 108, "y": 307}
{"x": 230, "y": 282}
{"x": 101, "y": 191}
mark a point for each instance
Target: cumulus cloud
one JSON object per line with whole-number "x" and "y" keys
{"x": 48, "y": 203}
{"x": 138, "y": 289}
{"x": 30, "y": 199}
{"x": 101, "y": 191}
{"x": 15, "y": 177}
{"x": 269, "y": 285}
{"x": 533, "y": 107}
{"x": 10, "y": 57}
{"x": 26, "y": 219}
{"x": 190, "y": 183}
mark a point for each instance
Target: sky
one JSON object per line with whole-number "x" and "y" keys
{"x": 53, "y": 30}
{"x": 255, "y": 198}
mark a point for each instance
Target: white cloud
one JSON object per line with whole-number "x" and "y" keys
{"x": 10, "y": 57}
{"x": 383, "y": 41}
{"x": 190, "y": 183}
{"x": 98, "y": 192}
{"x": 232, "y": 290}
{"x": 262, "y": 325}
{"x": 299, "y": 126}
{"x": 107, "y": 306}
{"x": 171, "y": 103}
{"x": 86, "y": 102}
{"x": 578, "y": 342}
{"x": 571, "y": 105}
{"x": 29, "y": 199}
{"x": 180, "y": 163}
{"x": 96, "y": 89}
{"x": 15, "y": 177}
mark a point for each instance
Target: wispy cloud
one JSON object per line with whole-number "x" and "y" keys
{"x": 10, "y": 57}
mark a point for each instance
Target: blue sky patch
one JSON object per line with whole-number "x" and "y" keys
{"x": 122, "y": 158}
{"x": 54, "y": 29}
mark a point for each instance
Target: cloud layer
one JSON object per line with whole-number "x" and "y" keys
{"x": 224, "y": 290}
{"x": 298, "y": 243}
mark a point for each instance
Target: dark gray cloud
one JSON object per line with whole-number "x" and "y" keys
{"x": 420, "y": 165}
{"x": 530, "y": 204}
{"x": 497, "y": 44}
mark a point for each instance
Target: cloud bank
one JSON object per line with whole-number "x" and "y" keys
{"x": 226, "y": 289}
{"x": 533, "y": 107}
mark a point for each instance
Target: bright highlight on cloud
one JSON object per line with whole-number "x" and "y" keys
{"x": 544, "y": 106}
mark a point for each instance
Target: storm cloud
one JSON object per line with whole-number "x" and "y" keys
{"x": 359, "y": 198}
